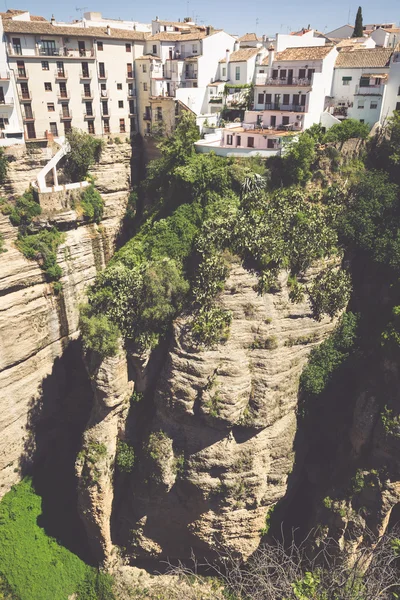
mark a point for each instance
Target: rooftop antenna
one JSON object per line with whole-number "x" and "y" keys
{"x": 257, "y": 22}
{"x": 81, "y": 10}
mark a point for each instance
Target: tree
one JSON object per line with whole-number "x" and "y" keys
{"x": 85, "y": 151}
{"x": 358, "y": 26}
{"x": 349, "y": 128}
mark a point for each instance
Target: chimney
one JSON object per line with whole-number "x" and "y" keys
{"x": 227, "y": 64}
{"x": 52, "y": 20}
{"x": 108, "y": 30}
{"x": 236, "y": 46}
{"x": 271, "y": 55}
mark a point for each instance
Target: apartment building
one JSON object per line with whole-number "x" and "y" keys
{"x": 359, "y": 84}
{"x": 179, "y": 65}
{"x": 391, "y": 100}
{"x": 73, "y": 76}
{"x": 292, "y": 91}
{"x": 11, "y": 127}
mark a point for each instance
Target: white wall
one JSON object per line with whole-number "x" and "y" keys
{"x": 381, "y": 37}
{"x": 284, "y": 41}
{"x": 344, "y": 32}
{"x": 13, "y": 131}
{"x": 392, "y": 96}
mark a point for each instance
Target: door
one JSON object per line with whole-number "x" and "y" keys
{"x": 16, "y": 42}
{"x": 82, "y": 49}
{"x": 48, "y": 47}
{"x": 310, "y": 73}
{"x": 86, "y": 90}
{"x": 296, "y": 103}
{"x": 65, "y": 110}
{"x": 277, "y": 101}
{"x": 24, "y": 91}
{"x": 273, "y": 121}
{"x": 60, "y": 69}
{"x": 303, "y": 100}
{"x": 28, "y": 111}
{"x": 168, "y": 88}
{"x": 53, "y": 128}
{"x": 30, "y": 131}
{"x": 63, "y": 90}
{"x": 290, "y": 76}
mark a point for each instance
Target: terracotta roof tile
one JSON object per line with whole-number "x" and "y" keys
{"x": 364, "y": 58}
{"x": 249, "y": 37}
{"x": 12, "y": 12}
{"x": 241, "y": 55}
{"x": 176, "y": 36}
{"x": 46, "y": 28}
{"x": 310, "y": 53}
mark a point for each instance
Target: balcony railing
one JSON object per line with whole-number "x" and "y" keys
{"x": 130, "y": 75}
{"x": 87, "y": 96}
{"x": 22, "y": 74}
{"x": 104, "y": 94}
{"x": 370, "y": 90}
{"x": 61, "y": 75}
{"x": 4, "y": 75}
{"x": 103, "y": 75}
{"x": 147, "y": 116}
{"x": 85, "y": 74}
{"x": 89, "y": 116}
{"x": 304, "y": 81}
{"x": 65, "y": 115}
{"x": 25, "y": 97}
{"x": 286, "y": 107}
{"x": 340, "y": 111}
{"x": 61, "y": 51}
{"x": 105, "y": 114}
{"x": 131, "y": 93}
{"x": 63, "y": 96}
{"x": 29, "y": 117}
{"x": 191, "y": 75}
{"x": 7, "y": 102}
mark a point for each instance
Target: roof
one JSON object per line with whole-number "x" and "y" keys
{"x": 364, "y": 58}
{"x": 351, "y": 42}
{"x": 148, "y": 57}
{"x": 393, "y": 30}
{"x": 241, "y": 55}
{"x": 176, "y": 36}
{"x": 310, "y": 53}
{"x": 46, "y": 28}
{"x": 249, "y": 37}
{"x": 12, "y": 12}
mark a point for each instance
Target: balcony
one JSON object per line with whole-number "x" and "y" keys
{"x": 131, "y": 93}
{"x": 105, "y": 115}
{"x": 147, "y": 116}
{"x": 87, "y": 97}
{"x": 4, "y": 75}
{"x": 340, "y": 112}
{"x": 130, "y": 76}
{"x": 65, "y": 115}
{"x": 295, "y": 81}
{"x": 89, "y": 116}
{"x": 7, "y": 102}
{"x": 61, "y": 75}
{"x": 22, "y": 75}
{"x": 103, "y": 75}
{"x": 63, "y": 96}
{"x": 104, "y": 94}
{"x": 28, "y": 118}
{"x": 370, "y": 90}
{"x": 48, "y": 51}
{"x": 85, "y": 74}
{"x": 286, "y": 107}
{"x": 25, "y": 97}
{"x": 191, "y": 75}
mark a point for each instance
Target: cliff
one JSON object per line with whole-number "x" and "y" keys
{"x": 35, "y": 325}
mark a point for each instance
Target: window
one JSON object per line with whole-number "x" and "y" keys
{"x": 67, "y": 127}
{"x": 282, "y": 74}
{"x": 89, "y": 109}
{"x": 154, "y": 49}
{"x": 302, "y": 73}
{"x": 346, "y": 80}
{"x": 286, "y": 99}
{"x": 310, "y": 73}
{"x": 85, "y": 69}
{"x": 104, "y": 106}
{"x": 128, "y": 47}
{"x": 145, "y": 87}
{"x": 53, "y": 128}
{"x": 28, "y": 111}
{"x": 119, "y": 86}
{"x": 65, "y": 109}
{"x": 378, "y": 80}
{"x": 30, "y": 131}
{"x": 120, "y": 104}
{"x": 237, "y": 73}
{"x": 270, "y": 143}
{"x": 129, "y": 70}
{"x": 268, "y": 98}
{"x": 63, "y": 90}
{"x": 360, "y": 104}
{"x": 260, "y": 98}
{"x": 100, "y": 46}
{"x": 133, "y": 125}
{"x": 223, "y": 71}
{"x": 50, "y": 107}
{"x": 144, "y": 68}
{"x": 86, "y": 90}
{"x": 296, "y": 99}
{"x": 275, "y": 74}
{"x": 273, "y": 121}
{"x": 90, "y": 127}
{"x": 194, "y": 48}
{"x": 60, "y": 69}
{"x": 364, "y": 82}
{"x": 397, "y": 106}
{"x": 25, "y": 91}
{"x": 285, "y": 120}
{"x": 45, "y": 65}
{"x": 47, "y": 86}
{"x": 106, "y": 125}
{"x": 3, "y": 123}
{"x": 82, "y": 48}
{"x": 229, "y": 140}
{"x": 122, "y": 125}
{"x": 102, "y": 70}
{"x": 131, "y": 107}
{"x": 48, "y": 48}
{"x": 250, "y": 142}
{"x": 238, "y": 140}
{"x": 21, "y": 68}
{"x": 261, "y": 71}
{"x": 398, "y": 91}
{"x": 130, "y": 89}
{"x": 159, "y": 113}
{"x": 16, "y": 42}
{"x": 374, "y": 105}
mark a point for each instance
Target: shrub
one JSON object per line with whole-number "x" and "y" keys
{"x": 99, "y": 334}
{"x": 3, "y": 166}
{"x": 210, "y": 326}
{"x": 92, "y": 204}
{"x": 329, "y": 293}
{"x": 125, "y": 458}
{"x": 2, "y": 249}
{"x": 347, "y": 129}
{"x": 43, "y": 247}
{"x": 22, "y": 211}
{"x": 390, "y": 423}
{"x": 85, "y": 151}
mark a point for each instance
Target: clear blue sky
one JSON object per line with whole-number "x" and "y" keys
{"x": 235, "y": 16}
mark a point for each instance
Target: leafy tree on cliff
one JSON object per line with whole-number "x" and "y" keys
{"x": 85, "y": 151}
{"x": 358, "y": 26}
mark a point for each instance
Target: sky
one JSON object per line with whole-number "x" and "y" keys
{"x": 235, "y": 16}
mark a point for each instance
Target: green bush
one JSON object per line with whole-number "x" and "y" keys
{"x": 33, "y": 565}
{"x": 329, "y": 293}
{"x": 347, "y": 129}
{"x": 125, "y": 457}
{"x": 2, "y": 249}
{"x": 99, "y": 334}
{"x": 210, "y": 326}
{"x": 3, "y": 166}
{"x": 328, "y": 357}
{"x": 42, "y": 247}
{"x": 85, "y": 151}
{"x": 92, "y": 204}
{"x": 23, "y": 211}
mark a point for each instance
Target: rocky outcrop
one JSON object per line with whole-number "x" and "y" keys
{"x": 219, "y": 449}
{"x": 36, "y": 325}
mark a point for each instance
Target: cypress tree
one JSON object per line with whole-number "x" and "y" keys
{"x": 358, "y": 25}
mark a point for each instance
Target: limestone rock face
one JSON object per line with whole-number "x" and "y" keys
{"x": 36, "y": 325}
{"x": 229, "y": 415}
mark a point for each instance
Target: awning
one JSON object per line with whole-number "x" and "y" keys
{"x": 383, "y": 76}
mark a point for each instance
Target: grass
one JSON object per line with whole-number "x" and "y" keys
{"x": 33, "y": 565}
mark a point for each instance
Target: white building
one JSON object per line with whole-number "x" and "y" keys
{"x": 387, "y": 38}
{"x": 293, "y": 86}
{"x": 96, "y": 19}
{"x": 359, "y": 84}
{"x": 11, "y": 127}
{"x": 343, "y": 32}
{"x": 392, "y": 96}
{"x": 67, "y": 77}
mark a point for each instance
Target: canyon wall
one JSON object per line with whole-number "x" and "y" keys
{"x": 35, "y": 324}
